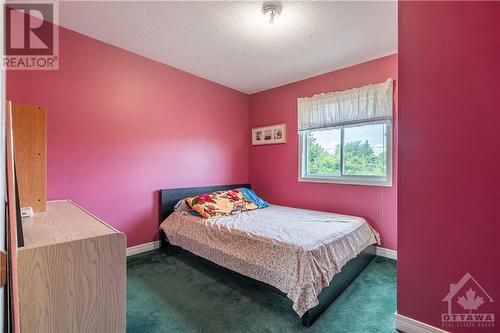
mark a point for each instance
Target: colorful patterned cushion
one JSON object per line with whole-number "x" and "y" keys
{"x": 184, "y": 208}
{"x": 250, "y": 195}
{"x": 220, "y": 203}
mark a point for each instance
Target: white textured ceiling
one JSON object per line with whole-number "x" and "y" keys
{"x": 231, "y": 43}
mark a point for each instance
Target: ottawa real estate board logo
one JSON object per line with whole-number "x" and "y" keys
{"x": 31, "y": 36}
{"x": 468, "y": 305}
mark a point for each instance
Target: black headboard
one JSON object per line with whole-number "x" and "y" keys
{"x": 170, "y": 197}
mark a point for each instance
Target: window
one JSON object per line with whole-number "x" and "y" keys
{"x": 358, "y": 154}
{"x": 346, "y": 137}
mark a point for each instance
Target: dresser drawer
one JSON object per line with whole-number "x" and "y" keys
{"x": 71, "y": 272}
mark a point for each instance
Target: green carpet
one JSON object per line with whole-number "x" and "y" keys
{"x": 174, "y": 291}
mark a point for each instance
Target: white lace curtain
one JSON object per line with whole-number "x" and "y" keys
{"x": 371, "y": 103}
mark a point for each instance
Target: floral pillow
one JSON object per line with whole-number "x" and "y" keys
{"x": 184, "y": 208}
{"x": 221, "y": 203}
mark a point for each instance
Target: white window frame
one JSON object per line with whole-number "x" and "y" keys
{"x": 347, "y": 179}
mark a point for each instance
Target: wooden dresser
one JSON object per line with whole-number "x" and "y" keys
{"x": 71, "y": 272}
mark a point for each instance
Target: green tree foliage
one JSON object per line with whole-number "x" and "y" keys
{"x": 359, "y": 159}
{"x": 320, "y": 161}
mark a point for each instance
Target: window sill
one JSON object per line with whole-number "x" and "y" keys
{"x": 346, "y": 181}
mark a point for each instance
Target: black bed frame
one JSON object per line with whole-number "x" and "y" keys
{"x": 350, "y": 271}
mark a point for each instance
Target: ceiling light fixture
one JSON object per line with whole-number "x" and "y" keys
{"x": 271, "y": 10}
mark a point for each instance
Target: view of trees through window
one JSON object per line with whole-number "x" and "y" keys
{"x": 364, "y": 151}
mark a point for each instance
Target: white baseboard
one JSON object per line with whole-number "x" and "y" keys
{"x": 388, "y": 253}
{"x": 380, "y": 251}
{"x": 142, "y": 248}
{"x": 408, "y": 325}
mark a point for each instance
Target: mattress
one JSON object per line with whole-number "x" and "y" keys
{"x": 297, "y": 251}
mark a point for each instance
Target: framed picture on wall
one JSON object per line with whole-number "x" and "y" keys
{"x": 269, "y": 135}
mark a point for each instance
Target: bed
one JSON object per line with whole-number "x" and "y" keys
{"x": 307, "y": 256}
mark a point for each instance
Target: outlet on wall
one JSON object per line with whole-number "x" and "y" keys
{"x": 26, "y": 211}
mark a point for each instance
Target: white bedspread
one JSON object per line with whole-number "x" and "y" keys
{"x": 297, "y": 251}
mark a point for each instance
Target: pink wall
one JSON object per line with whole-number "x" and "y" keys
{"x": 274, "y": 168}
{"x": 449, "y": 159}
{"x": 121, "y": 126}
